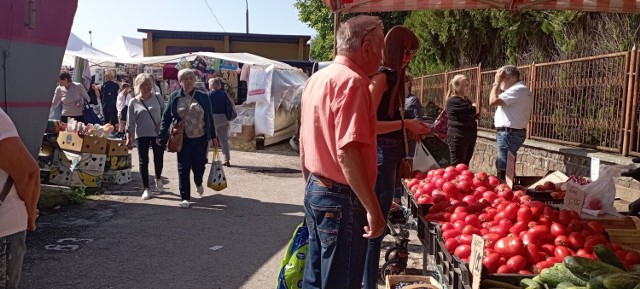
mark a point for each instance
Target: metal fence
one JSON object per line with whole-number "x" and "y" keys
{"x": 588, "y": 102}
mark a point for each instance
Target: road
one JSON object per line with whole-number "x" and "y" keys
{"x": 234, "y": 238}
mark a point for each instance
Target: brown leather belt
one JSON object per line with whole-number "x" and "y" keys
{"x": 330, "y": 184}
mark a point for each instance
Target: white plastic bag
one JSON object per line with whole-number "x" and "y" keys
{"x": 603, "y": 189}
{"x": 217, "y": 180}
{"x": 423, "y": 160}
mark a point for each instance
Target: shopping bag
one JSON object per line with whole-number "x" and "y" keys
{"x": 441, "y": 125}
{"x": 89, "y": 116}
{"x": 423, "y": 160}
{"x": 601, "y": 194}
{"x": 292, "y": 266}
{"x": 217, "y": 180}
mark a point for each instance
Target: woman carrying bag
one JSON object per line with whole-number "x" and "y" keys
{"x": 144, "y": 114}
{"x": 189, "y": 110}
{"x": 220, "y": 102}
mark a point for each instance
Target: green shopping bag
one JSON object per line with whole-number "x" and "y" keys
{"x": 292, "y": 266}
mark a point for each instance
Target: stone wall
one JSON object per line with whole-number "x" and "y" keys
{"x": 537, "y": 158}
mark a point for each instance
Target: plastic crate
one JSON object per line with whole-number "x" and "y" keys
{"x": 465, "y": 277}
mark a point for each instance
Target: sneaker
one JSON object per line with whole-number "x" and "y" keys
{"x": 200, "y": 190}
{"x": 227, "y": 164}
{"x": 159, "y": 186}
{"x": 185, "y": 204}
{"x": 145, "y": 195}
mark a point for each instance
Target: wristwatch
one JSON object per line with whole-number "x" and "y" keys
{"x": 495, "y": 83}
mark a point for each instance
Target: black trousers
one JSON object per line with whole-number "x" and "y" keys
{"x": 111, "y": 116}
{"x": 144, "y": 143}
{"x": 461, "y": 147}
{"x": 192, "y": 157}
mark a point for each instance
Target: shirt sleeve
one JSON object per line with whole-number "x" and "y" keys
{"x": 7, "y": 128}
{"x": 57, "y": 97}
{"x": 83, "y": 93}
{"x": 351, "y": 112}
{"x": 130, "y": 120}
{"x": 458, "y": 109}
{"x": 510, "y": 96}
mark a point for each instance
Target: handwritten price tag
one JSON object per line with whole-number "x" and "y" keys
{"x": 510, "y": 174}
{"x": 475, "y": 260}
{"x": 574, "y": 197}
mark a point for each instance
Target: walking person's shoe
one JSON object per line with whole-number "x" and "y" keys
{"x": 145, "y": 195}
{"x": 159, "y": 186}
{"x": 185, "y": 204}
{"x": 200, "y": 190}
{"x": 227, "y": 164}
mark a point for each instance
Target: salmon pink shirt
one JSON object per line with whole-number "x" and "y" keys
{"x": 337, "y": 109}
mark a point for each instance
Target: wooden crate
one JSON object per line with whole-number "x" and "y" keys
{"x": 624, "y": 231}
{"x": 393, "y": 280}
{"x": 625, "y": 223}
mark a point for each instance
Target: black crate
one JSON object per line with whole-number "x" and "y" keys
{"x": 544, "y": 197}
{"x": 465, "y": 277}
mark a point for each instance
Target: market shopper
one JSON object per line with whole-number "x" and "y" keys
{"x": 109, "y": 94}
{"x": 124, "y": 97}
{"x": 338, "y": 158}
{"x": 219, "y": 102}
{"x": 462, "y": 127}
{"x": 512, "y": 115}
{"x": 193, "y": 108}
{"x": 72, "y": 95}
{"x": 388, "y": 90}
{"x": 144, "y": 115}
{"x": 19, "y": 193}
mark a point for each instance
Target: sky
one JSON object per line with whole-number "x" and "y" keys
{"x": 108, "y": 20}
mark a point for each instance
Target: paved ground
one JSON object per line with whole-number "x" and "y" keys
{"x": 230, "y": 239}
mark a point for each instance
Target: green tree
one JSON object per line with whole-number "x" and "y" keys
{"x": 320, "y": 18}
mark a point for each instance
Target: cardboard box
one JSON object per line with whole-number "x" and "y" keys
{"x": 117, "y": 163}
{"x": 63, "y": 176}
{"x": 242, "y": 132}
{"x": 117, "y": 177}
{"x": 83, "y": 161}
{"x": 429, "y": 282}
{"x": 82, "y": 143}
{"x": 116, "y": 147}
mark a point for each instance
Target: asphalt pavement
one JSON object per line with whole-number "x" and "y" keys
{"x": 233, "y": 238}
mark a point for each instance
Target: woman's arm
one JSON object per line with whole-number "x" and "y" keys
{"x": 377, "y": 87}
{"x": 167, "y": 118}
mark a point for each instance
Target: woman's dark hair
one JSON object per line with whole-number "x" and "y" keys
{"x": 398, "y": 42}
{"x": 65, "y": 76}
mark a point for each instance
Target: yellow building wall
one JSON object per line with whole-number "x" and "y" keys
{"x": 160, "y": 46}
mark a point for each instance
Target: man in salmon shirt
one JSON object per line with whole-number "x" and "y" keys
{"x": 339, "y": 162}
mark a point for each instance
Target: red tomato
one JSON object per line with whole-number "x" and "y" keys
{"x": 532, "y": 254}
{"x": 561, "y": 252}
{"x": 458, "y": 225}
{"x": 504, "y": 269}
{"x": 525, "y": 272}
{"x": 459, "y": 208}
{"x": 524, "y": 214}
{"x": 464, "y": 186}
{"x": 490, "y": 239}
{"x": 451, "y": 244}
{"x": 518, "y": 227}
{"x": 492, "y": 262}
{"x": 470, "y": 230}
{"x": 509, "y": 246}
{"x": 463, "y": 251}
{"x": 562, "y": 241}
{"x": 548, "y": 248}
{"x": 595, "y": 227}
{"x": 450, "y": 234}
{"x": 511, "y": 211}
{"x": 473, "y": 220}
{"x": 574, "y": 225}
{"x": 564, "y": 217}
{"x": 446, "y": 226}
{"x": 582, "y": 253}
{"x": 557, "y": 229}
{"x": 590, "y": 243}
{"x": 632, "y": 258}
{"x": 517, "y": 263}
{"x": 458, "y": 216}
{"x": 493, "y": 181}
{"x": 539, "y": 232}
{"x": 465, "y": 239}
{"x": 469, "y": 199}
{"x": 542, "y": 265}
{"x": 576, "y": 240}
{"x": 489, "y": 196}
{"x": 461, "y": 168}
{"x": 500, "y": 230}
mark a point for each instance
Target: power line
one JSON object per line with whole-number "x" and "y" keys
{"x": 214, "y": 15}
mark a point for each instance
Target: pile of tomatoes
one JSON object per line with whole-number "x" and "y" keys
{"x": 521, "y": 235}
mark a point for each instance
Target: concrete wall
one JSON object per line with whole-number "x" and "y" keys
{"x": 537, "y": 158}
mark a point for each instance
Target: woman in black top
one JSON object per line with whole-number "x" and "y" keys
{"x": 462, "y": 130}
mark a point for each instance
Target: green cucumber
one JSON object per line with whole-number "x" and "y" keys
{"x": 621, "y": 281}
{"x": 529, "y": 284}
{"x": 597, "y": 273}
{"x": 565, "y": 285}
{"x": 569, "y": 276}
{"x": 581, "y": 266}
{"x": 551, "y": 277}
{"x": 596, "y": 282}
{"x": 608, "y": 256}
{"x": 637, "y": 286}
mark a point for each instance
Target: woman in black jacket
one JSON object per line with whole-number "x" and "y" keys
{"x": 462, "y": 130}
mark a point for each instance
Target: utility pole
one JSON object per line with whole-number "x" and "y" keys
{"x": 247, "y": 16}
{"x": 90, "y": 38}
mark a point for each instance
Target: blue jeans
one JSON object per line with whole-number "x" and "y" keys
{"x": 12, "y": 250}
{"x": 192, "y": 157}
{"x": 335, "y": 219}
{"x": 512, "y": 141}
{"x": 390, "y": 153}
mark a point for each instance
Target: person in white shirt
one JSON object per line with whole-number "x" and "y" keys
{"x": 513, "y": 111}
{"x": 122, "y": 102}
{"x": 72, "y": 95}
{"x": 18, "y": 210}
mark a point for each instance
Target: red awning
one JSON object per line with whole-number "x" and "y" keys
{"x": 351, "y": 6}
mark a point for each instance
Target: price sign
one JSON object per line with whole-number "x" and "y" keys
{"x": 510, "y": 174}
{"x": 475, "y": 260}
{"x": 595, "y": 169}
{"x": 235, "y": 127}
{"x": 574, "y": 197}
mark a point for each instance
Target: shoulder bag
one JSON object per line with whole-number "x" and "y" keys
{"x": 405, "y": 168}
{"x": 230, "y": 110}
{"x": 157, "y": 124}
{"x": 441, "y": 124}
{"x": 176, "y": 137}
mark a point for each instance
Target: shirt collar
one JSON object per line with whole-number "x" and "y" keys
{"x": 346, "y": 61}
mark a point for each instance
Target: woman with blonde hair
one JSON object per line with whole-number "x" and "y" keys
{"x": 388, "y": 92}
{"x": 193, "y": 108}
{"x": 144, "y": 116}
{"x": 462, "y": 129}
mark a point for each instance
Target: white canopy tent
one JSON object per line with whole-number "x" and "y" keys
{"x": 247, "y": 58}
{"x": 76, "y": 47}
{"x": 126, "y": 47}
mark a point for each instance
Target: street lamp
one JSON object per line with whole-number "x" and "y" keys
{"x": 90, "y": 38}
{"x": 247, "y": 17}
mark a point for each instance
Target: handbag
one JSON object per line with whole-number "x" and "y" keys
{"x": 176, "y": 137}
{"x": 88, "y": 115}
{"x": 405, "y": 167}
{"x": 441, "y": 124}
{"x": 230, "y": 110}
{"x": 217, "y": 180}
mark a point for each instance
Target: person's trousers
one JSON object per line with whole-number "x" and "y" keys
{"x": 144, "y": 143}
{"x": 242, "y": 92}
{"x": 335, "y": 219}
{"x": 508, "y": 141}
{"x": 461, "y": 147}
{"x": 192, "y": 157}
{"x": 222, "y": 133}
{"x": 390, "y": 153}
{"x": 65, "y": 118}
{"x": 110, "y": 116}
{"x": 12, "y": 250}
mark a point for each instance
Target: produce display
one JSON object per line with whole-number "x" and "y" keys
{"x": 550, "y": 188}
{"x": 411, "y": 285}
{"x": 522, "y": 235}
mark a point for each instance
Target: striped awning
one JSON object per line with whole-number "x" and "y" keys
{"x": 352, "y": 6}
